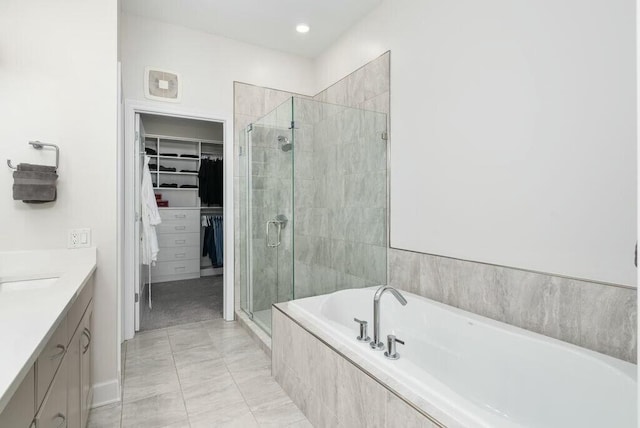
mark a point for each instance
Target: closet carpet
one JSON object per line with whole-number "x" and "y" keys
{"x": 182, "y": 302}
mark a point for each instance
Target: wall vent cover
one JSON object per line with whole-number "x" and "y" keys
{"x": 162, "y": 85}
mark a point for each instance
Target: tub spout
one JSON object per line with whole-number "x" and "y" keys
{"x": 375, "y": 343}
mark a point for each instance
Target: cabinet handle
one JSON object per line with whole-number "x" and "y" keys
{"x": 180, "y": 255}
{"x": 86, "y": 333}
{"x": 63, "y": 420}
{"x": 57, "y": 355}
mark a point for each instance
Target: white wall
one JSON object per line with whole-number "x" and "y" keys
{"x": 58, "y": 84}
{"x": 513, "y": 130}
{"x": 208, "y": 64}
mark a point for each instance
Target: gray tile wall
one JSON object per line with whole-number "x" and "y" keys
{"x": 250, "y": 103}
{"x": 340, "y": 234}
{"x": 592, "y": 315}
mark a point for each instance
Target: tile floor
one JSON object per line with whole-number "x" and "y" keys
{"x": 206, "y": 374}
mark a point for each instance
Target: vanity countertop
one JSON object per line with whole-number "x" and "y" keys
{"x": 31, "y": 307}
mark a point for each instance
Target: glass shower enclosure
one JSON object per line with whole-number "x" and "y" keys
{"x": 313, "y": 204}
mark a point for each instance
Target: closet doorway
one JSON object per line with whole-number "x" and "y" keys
{"x": 185, "y": 159}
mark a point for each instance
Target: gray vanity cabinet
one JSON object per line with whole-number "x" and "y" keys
{"x": 20, "y": 410}
{"x": 73, "y": 376}
{"x": 53, "y": 412}
{"x": 79, "y": 373}
{"x": 85, "y": 366}
{"x": 57, "y": 389}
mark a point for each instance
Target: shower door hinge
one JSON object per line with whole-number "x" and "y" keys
{"x": 137, "y": 297}
{"x": 250, "y": 127}
{"x": 384, "y": 136}
{"x": 293, "y": 125}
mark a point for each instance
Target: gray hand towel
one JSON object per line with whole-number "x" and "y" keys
{"x": 36, "y": 168}
{"x": 34, "y": 183}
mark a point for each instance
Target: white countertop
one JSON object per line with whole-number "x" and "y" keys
{"x": 29, "y": 317}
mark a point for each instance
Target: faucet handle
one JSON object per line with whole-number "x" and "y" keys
{"x": 363, "y": 330}
{"x": 391, "y": 352}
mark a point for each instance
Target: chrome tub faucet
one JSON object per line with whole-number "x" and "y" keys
{"x": 375, "y": 343}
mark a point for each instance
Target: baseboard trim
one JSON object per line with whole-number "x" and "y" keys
{"x": 105, "y": 393}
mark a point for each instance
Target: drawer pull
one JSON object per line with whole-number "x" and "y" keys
{"x": 59, "y": 354}
{"x": 180, "y": 227}
{"x": 179, "y": 269}
{"x": 62, "y": 418}
{"x": 180, "y": 215}
{"x": 180, "y": 255}
{"x": 180, "y": 241}
{"x": 86, "y": 333}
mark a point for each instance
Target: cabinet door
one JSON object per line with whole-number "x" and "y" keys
{"x": 49, "y": 360}
{"x": 20, "y": 411}
{"x": 85, "y": 366}
{"x": 73, "y": 380}
{"x": 53, "y": 413}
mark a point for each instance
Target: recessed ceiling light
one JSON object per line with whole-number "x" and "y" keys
{"x": 302, "y": 28}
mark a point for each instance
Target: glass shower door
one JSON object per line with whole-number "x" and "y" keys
{"x": 270, "y": 213}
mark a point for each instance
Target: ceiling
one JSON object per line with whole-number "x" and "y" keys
{"x": 265, "y": 23}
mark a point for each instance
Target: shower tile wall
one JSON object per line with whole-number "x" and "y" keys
{"x": 250, "y": 103}
{"x": 340, "y": 194}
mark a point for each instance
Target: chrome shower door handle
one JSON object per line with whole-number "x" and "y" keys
{"x": 279, "y": 227}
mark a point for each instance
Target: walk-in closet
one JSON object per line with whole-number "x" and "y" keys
{"x": 185, "y": 165}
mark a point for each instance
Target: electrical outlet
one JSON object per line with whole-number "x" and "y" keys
{"x": 79, "y": 238}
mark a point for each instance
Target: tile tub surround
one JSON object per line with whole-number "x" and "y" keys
{"x": 595, "y": 316}
{"x": 329, "y": 387}
{"x": 206, "y": 374}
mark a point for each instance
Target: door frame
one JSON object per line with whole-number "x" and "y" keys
{"x": 126, "y": 198}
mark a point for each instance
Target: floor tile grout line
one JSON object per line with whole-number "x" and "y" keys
{"x": 175, "y": 366}
{"x": 240, "y": 390}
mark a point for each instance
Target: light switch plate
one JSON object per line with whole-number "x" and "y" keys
{"x": 79, "y": 238}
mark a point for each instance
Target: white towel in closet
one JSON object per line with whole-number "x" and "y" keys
{"x": 150, "y": 217}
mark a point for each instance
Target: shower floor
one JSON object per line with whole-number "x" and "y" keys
{"x": 263, "y": 319}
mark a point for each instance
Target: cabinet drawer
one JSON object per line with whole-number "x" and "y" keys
{"x": 178, "y": 253}
{"x": 179, "y": 240}
{"x": 50, "y": 359}
{"x": 79, "y": 306}
{"x": 178, "y": 227}
{"x": 179, "y": 215}
{"x": 53, "y": 413}
{"x": 20, "y": 410}
{"x": 171, "y": 268}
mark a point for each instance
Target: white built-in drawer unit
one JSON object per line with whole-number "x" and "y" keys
{"x": 179, "y": 242}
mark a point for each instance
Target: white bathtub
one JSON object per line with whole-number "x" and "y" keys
{"x": 479, "y": 372}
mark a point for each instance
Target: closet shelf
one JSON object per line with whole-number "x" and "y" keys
{"x": 193, "y": 174}
{"x": 175, "y": 188}
{"x": 174, "y": 158}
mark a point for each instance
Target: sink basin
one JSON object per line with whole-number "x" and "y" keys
{"x": 18, "y": 285}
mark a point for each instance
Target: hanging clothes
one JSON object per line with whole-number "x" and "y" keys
{"x": 213, "y": 239}
{"x": 150, "y": 217}
{"x": 210, "y": 177}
